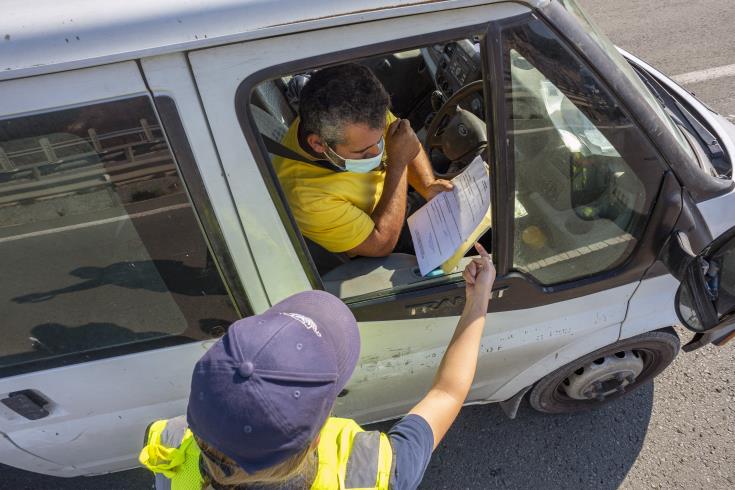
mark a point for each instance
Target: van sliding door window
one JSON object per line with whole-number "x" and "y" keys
{"x": 100, "y": 245}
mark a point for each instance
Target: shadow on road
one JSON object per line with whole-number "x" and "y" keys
{"x": 486, "y": 450}
{"x": 588, "y": 450}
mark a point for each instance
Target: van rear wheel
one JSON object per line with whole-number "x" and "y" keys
{"x": 606, "y": 374}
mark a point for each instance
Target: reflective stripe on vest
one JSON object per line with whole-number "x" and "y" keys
{"x": 349, "y": 457}
{"x": 341, "y": 440}
{"x": 173, "y": 455}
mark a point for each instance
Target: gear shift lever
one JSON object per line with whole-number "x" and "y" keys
{"x": 437, "y": 100}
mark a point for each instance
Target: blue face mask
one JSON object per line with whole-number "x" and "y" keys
{"x": 358, "y": 165}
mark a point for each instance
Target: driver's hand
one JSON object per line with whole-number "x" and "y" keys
{"x": 402, "y": 144}
{"x": 437, "y": 187}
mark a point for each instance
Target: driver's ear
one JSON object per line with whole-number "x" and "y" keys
{"x": 316, "y": 143}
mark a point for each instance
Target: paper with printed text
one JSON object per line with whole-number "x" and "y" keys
{"x": 443, "y": 225}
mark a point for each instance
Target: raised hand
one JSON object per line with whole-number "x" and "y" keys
{"x": 479, "y": 276}
{"x": 402, "y": 144}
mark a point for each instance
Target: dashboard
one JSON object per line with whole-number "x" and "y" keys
{"x": 453, "y": 65}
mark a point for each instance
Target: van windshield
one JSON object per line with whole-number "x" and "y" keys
{"x": 602, "y": 40}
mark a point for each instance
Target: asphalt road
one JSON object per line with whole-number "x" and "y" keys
{"x": 677, "y": 37}
{"x": 677, "y": 432}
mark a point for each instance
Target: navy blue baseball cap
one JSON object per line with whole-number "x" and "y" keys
{"x": 263, "y": 391}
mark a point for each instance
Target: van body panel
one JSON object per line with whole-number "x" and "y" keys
{"x": 717, "y": 213}
{"x": 169, "y": 75}
{"x": 41, "y": 39}
{"x": 15, "y": 456}
{"x": 71, "y": 89}
{"x": 550, "y": 337}
{"x": 652, "y": 306}
{"x": 98, "y": 429}
{"x": 724, "y": 128}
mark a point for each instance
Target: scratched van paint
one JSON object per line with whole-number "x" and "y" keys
{"x": 140, "y": 213}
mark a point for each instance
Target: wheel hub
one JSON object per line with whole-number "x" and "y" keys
{"x": 604, "y": 376}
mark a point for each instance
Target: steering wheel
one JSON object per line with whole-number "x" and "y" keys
{"x": 457, "y": 133}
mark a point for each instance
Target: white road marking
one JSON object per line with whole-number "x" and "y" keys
{"x": 90, "y": 224}
{"x": 704, "y": 75}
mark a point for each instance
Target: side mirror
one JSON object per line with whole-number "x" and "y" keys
{"x": 706, "y": 296}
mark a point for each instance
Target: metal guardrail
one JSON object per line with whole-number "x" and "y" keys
{"x": 49, "y": 150}
{"x": 76, "y": 174}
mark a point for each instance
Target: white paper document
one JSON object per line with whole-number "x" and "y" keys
{"x": 443, "y": 224}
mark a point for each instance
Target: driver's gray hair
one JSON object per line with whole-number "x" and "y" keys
{"x": 341, "y": 95}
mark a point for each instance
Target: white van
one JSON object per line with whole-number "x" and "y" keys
{"x": 140, "y": 213}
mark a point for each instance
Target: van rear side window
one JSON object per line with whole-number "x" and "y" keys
{"x": 100, "y": 244}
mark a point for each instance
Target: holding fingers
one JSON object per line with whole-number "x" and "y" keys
{"x": 479, "y": 275}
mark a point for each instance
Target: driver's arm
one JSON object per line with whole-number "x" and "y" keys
{"x": 388, "y": 216}
{"x": 421, "y": 177}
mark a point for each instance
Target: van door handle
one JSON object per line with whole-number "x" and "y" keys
{"x": 27, "y": 403}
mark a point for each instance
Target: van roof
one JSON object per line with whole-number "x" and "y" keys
{"x": 41, "y": 36}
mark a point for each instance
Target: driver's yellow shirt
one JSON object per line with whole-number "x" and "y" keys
{"x": 331, "y": 208}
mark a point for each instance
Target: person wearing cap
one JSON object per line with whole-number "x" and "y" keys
{"x": 261, "y": 397}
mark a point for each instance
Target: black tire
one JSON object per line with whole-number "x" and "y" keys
{"x": 657, "y": 349}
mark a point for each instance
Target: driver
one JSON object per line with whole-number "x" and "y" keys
{"x": 360, "y": 205}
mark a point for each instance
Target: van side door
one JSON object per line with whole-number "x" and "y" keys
{"x": 112, "y": 273}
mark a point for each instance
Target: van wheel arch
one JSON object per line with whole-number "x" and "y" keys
{"x": 606, "y": 374}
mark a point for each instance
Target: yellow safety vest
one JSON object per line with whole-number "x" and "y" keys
{"x": 349, "y": 457}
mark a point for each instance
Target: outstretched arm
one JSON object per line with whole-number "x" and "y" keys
{"x": 454, "y": 377}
